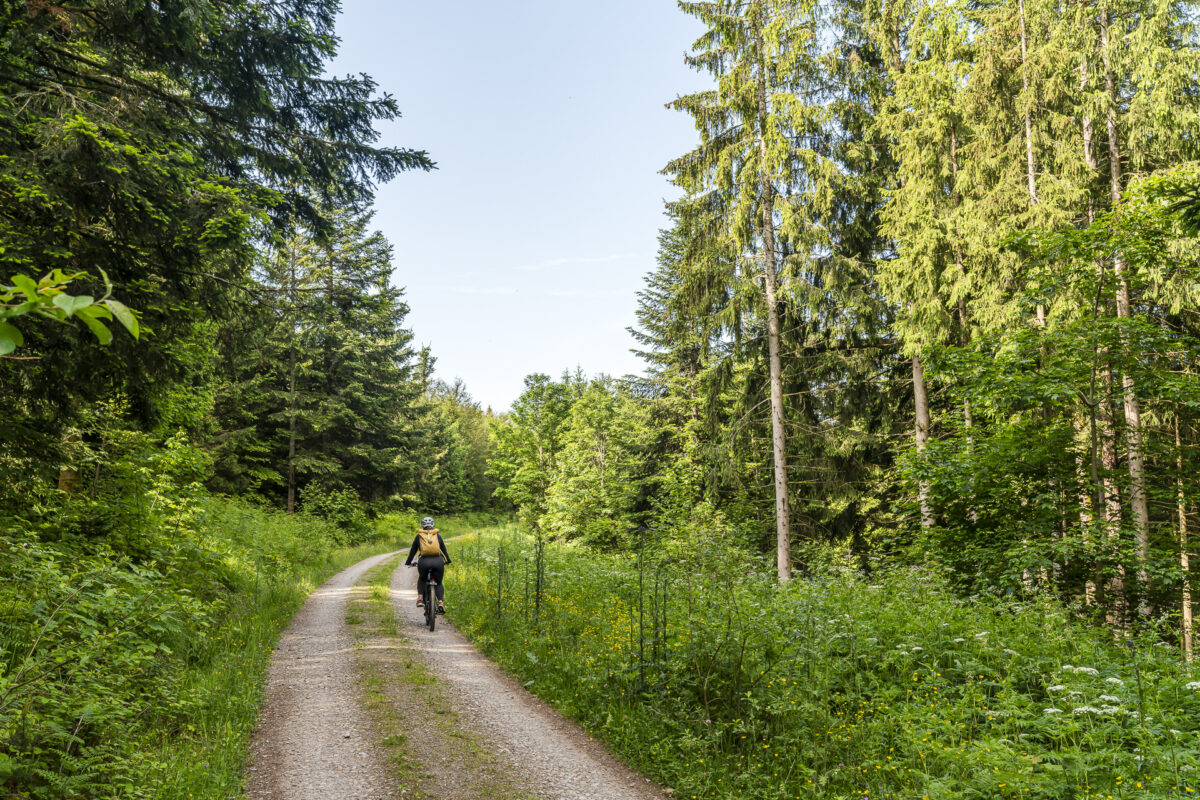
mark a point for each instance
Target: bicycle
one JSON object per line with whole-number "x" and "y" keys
{"x": 430, "y": 599}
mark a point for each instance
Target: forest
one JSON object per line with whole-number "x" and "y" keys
{"x": 924, "y": 316}
{"x": 928, "y": 294}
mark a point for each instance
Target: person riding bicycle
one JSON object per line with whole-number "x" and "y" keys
{"x": 433, "y": 556}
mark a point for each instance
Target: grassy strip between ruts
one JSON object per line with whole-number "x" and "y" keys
{"x": 429, "y": 752}
{"x": 713, "y": 680}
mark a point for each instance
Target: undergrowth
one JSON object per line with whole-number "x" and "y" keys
{"x": 696, "y": 668}
{"x": 134, "y": 668}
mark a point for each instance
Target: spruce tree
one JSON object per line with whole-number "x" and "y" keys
{"x": 753, "y": 163}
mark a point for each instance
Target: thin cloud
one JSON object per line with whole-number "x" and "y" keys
{"x": 576, "y": 293}
{"x": 477, "y": 290}
{"x": 570, "y": 262}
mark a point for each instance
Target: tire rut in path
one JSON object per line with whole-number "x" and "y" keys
{"x": 314, "y": 741}
{"x": 546, "y": 750}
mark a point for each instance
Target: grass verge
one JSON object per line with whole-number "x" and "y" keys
{"x": 716, "y": 682}
{"x": 141, "y": 677}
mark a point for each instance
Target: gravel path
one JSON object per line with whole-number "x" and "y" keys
{"x": 314, "y": 741}
{"x": 549, "y": 752}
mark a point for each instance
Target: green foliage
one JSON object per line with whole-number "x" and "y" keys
{"x": 699, "y": 670}
{"x": 320, "y": 389}
{"x": 48, "y": 298}
{"x": 1037, "y": 455}
{"x": 157, "y": 146}
{"x": 136, "y": 673}
{"x": 528, "y": 441}
{"x": 595, "y": 486}
{"x": 340, "y": 506}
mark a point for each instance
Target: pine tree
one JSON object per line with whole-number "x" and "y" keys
{"x": 331, "y": 383}
{"x": 753, "y": 164}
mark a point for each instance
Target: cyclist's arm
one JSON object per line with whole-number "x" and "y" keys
{"x": 442, "y": 544}
{"x": 412, "y": 551}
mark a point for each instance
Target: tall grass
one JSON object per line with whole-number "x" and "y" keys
{"x": 141, "y": 677}
{"x": 720, "y": 684}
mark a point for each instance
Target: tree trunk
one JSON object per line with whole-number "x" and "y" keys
{"x": 1117, "y": 601}
{"x": 1030, "y": 164}
{"x": 965, "y": 336}
{"x": 1029, "y": 160}
{"x": 1184, "y": 557}
{"x": 291, "y": 471}
{"x": 1133, "y": 413}
{"x": 922, "y": 436}
{"x": 1093, "y": 505}
{"x": 783, "y": 543}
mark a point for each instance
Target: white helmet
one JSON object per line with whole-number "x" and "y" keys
{"x": 427, "y": 522}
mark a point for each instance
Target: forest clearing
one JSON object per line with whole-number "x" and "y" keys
{"x": 900, "y": 501}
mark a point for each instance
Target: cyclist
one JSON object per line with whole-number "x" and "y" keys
{"x": 433, "y": 556}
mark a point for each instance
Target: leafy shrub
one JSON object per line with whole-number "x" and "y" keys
{"x": 339, "y": 505}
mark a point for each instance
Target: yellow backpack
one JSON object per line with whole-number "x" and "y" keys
{"x": 429, "y": 542}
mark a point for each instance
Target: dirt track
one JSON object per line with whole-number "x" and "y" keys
{"x": 314, "y": 741}
{"x": 317, "y": 741}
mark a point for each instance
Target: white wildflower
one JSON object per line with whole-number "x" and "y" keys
{"x": 981, "y": 635}
{"x": 917, "y": 649}
{"x": 1195, "y": 685}
{"x": 1108, "y": 698}
{"x": 1051, "y": 710}
{"x": 1067, "y": 668}
{"x": 1086, "y": 710}
{"x": 1011, "y": 652}
{"x": 871, "y": 639}
{"x": 1087, "y": 671}
{"x": 1115, "y": 681}
{"x": 960, "y": 639}
{"x": 1175, "y": 732}
{"x": 1109, "y": 709}
{"x": 1058, "y": 687}
{"x": 1074, "y": 694}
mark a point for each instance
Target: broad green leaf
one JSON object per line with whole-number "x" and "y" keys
{"x": 10, "y": 338}
{"x": 95, "y": 311}
{"x": 72, "y": 305}
{"x": 124, "y": 316}
{"x": 26, "y": 284}
{"x": 97, "y": 327}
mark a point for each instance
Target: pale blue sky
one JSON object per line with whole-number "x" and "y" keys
{"x": 524, "y": 250}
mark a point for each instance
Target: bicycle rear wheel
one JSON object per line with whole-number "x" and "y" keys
{"x": 430, "y": 605}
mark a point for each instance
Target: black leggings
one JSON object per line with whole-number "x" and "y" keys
{"x": 438, "y": 565}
